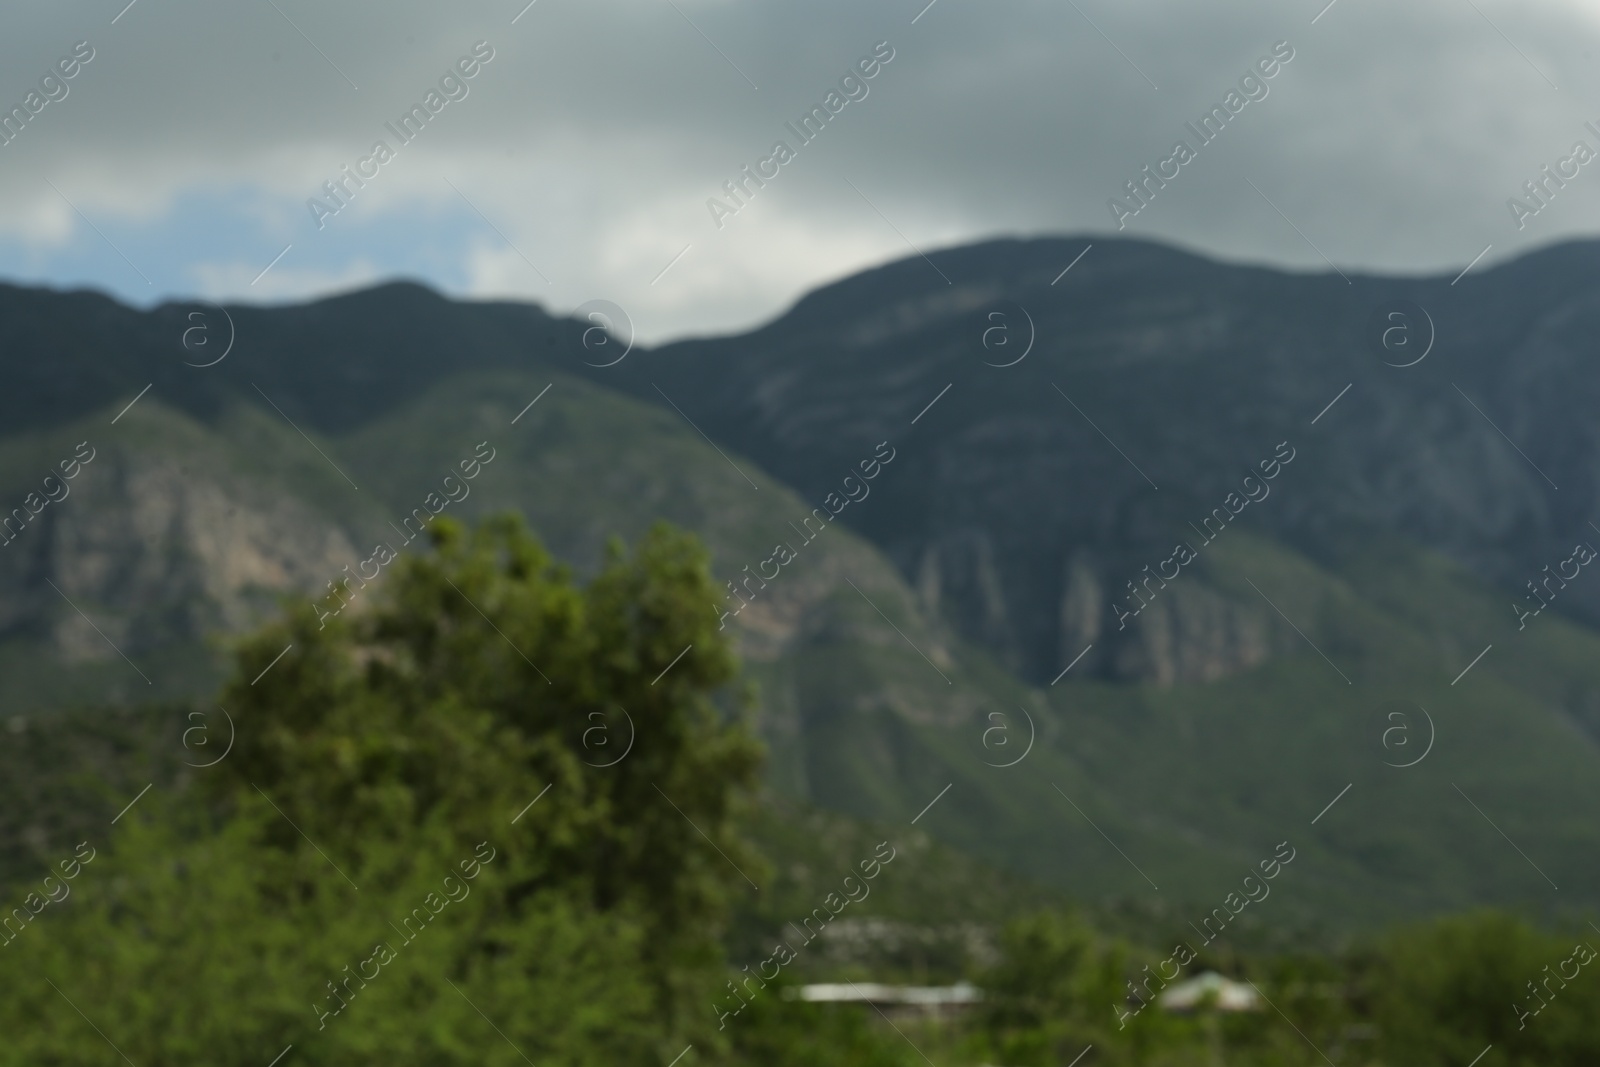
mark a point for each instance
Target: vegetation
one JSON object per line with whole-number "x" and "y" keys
{"x": 383, "y": 769}
{"x": 417, "y": 850}
{"x": 1193, "y": 781}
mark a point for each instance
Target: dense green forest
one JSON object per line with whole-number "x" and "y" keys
{"x": 490, "y": 814}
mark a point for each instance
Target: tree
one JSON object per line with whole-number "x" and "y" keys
{"x": 419, "y": 847}
{"x": 1447, "y": 990}
{"x": 1057, "y": 988}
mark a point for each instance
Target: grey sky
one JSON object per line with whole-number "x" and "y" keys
{"x": 595, "y": 136}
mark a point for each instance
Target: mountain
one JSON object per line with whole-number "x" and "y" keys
{"x": 995, "y": 500}
{"x": 1033, "y": 498}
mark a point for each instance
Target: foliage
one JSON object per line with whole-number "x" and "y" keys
{"x": 1447, "y": 990}
{"x": 393, "y": 748}
{"x": 1431, "y": 995}
{"x": 1055, "y": 991}
{"x": 776, "y": 1032}
{"x": 475, "y": 684}
{"x": 415, "y": 851}
{"x": 190, "y": 951}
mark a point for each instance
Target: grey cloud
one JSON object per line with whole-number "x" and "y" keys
{"x": 1392, "y": 140}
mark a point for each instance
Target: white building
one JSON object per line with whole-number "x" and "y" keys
{"x": 1210, "y": 990}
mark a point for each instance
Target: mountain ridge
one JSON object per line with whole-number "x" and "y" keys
{"x": 979, "y": 575}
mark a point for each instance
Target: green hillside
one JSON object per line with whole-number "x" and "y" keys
{"x": 869, "y": 706}
{"x": 1196, "y": 783}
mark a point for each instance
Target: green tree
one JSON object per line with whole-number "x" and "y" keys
{"x": 191, "y": 944}
{"x": 1057, "y": 989}
{"x": 332, "y": 891}
{"x": 774, "y": 1031}
{"x": 1446, "y": 990}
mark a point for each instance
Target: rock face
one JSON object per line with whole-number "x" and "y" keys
{"x": 1083, "y": 599}
{"x": 155, "y": 549}
{"x": 1193, "y": 634}
{"x": 960, "y": 572}
{"x": 1190, "y": 632}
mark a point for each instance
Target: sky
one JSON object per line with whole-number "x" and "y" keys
{"x": 579, "y": 160}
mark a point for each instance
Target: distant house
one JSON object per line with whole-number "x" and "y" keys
{"x": 930, "y": 1000}
{"x": 1210, "y": 990}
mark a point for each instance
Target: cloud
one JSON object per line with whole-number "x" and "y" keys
{"x": 596, "y": 134}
